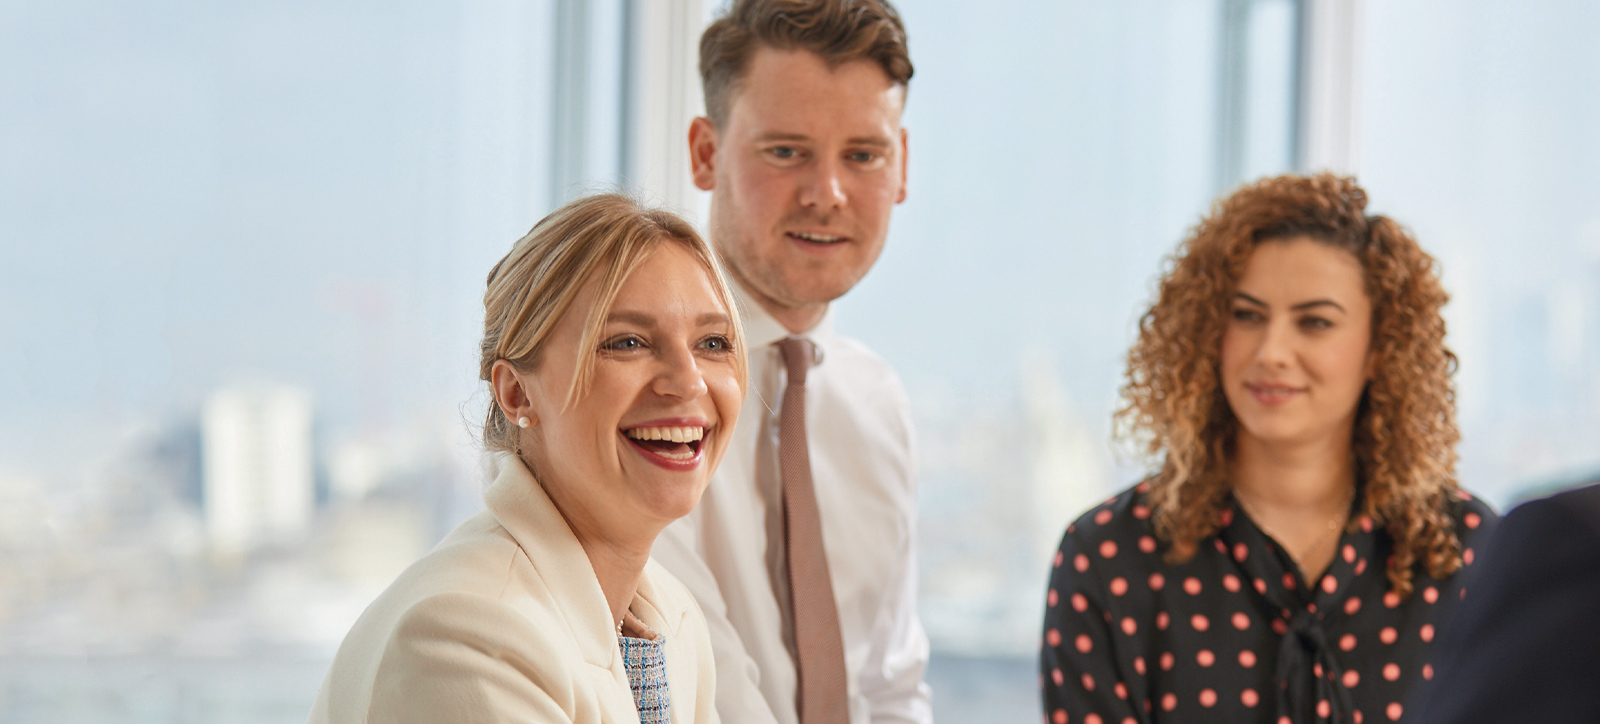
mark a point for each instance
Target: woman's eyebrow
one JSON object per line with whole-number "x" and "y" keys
{"x": 1247, "y": 298}
{"x": 638, "y": 318}
{"x": 1317, "y": 303}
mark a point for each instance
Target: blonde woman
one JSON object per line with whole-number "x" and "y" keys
{"x": 612, "y": 352}
{"x": 1303, "y": 536}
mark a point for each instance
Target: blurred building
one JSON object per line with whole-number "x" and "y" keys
{"x": 258, "y": 479}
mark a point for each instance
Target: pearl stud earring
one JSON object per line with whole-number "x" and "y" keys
{"x": 522, "y": 422}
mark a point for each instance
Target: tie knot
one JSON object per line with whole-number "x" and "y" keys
{"x": 798, "y": 356}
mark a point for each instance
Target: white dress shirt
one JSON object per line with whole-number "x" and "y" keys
{"x": 730, "y": 555}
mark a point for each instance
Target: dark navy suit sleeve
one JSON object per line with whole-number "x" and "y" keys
{"x": 1522, "y": 646}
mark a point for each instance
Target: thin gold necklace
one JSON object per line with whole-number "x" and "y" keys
{"x": 1335, "y": 524}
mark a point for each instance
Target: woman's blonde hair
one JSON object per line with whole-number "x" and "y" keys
{"x": 605, "y": 236}
{"x": 1405, "y": 431}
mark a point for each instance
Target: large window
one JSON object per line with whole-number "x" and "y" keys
{"x": 244, "y": 232}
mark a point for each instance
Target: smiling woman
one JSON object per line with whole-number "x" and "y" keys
{"x": 1303, "y": 534}
{"x": 613, "y": 352}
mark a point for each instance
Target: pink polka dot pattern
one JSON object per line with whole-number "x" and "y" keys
{"x": 1394, "y": 710}
{"x": 1131, "y": 637}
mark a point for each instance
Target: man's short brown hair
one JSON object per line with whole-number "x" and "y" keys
{"x": 838, "y": 30}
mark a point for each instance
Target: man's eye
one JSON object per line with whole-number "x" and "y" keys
{"x": 863, "y": 156}
{"x": 784, "y": 152}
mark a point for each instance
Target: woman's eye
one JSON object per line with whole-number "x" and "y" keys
{"x": 624, "y": 343}
{"x": 1315, "y": 323}
{"x": 717, "y": 343}
{"x": 1246, "y": 315}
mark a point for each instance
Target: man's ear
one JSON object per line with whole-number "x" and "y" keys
{"x": 904, "y": 148}
{"x": 703, "y": 153}
{"x": 510, "y": 393}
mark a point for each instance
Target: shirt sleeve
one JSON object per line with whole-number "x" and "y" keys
{"x": 739, "y": 697}
{"x": 461, "y": 657}
{"x": 1079, "y": 671}
{"x": 892, "y": 677}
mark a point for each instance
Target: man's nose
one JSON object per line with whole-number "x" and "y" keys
{"x": 825, "y": 187}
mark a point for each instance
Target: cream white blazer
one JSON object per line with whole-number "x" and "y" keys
{"x": 504, "y": 621}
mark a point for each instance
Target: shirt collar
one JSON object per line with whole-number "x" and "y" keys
{"x": 760, "y": 329}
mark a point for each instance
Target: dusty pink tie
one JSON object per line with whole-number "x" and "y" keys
{"x": 817, "y": 643}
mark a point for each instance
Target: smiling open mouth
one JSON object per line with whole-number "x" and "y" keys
{"x": 816, "y": 238}
{"x": 672, "y": 443}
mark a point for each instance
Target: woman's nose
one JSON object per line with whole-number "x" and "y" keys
{"x": 1276, "y": 348}
{"x": 680, "y": 375}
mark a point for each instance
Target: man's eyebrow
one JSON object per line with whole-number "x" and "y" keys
{"x": 782, "y": 136}
{"x": 878, "y": 141}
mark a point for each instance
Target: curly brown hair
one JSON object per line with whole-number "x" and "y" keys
{"x": 1405, "y": 432}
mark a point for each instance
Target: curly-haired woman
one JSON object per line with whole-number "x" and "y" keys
{"x": 1303, "y": 535}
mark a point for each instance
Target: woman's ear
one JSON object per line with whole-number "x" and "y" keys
{"x": 511, "y": 394}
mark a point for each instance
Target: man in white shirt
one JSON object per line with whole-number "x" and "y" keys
{"x": 803, "y": 152}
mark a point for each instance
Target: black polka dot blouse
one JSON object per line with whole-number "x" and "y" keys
{"x": 1234, "y": 634}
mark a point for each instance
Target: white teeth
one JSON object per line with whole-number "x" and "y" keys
{"x": 819, "y": 238}
{"x": 670, "y": 434}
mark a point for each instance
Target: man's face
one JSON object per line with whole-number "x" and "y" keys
{"x": 803, "y": 175}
